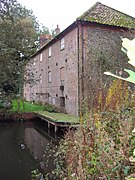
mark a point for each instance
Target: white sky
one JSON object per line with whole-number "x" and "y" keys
{"x": 64, "y": 12}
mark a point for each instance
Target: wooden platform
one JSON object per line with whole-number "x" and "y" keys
{"x": 56, "y": 122}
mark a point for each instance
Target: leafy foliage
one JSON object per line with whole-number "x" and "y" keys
{"x": 99, "y": 149}
{"x": 129, "y": 49}
{"x": 17, "y": 42}
{"x": 103, "y": 146}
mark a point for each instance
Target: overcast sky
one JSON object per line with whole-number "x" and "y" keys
{"x": 64, "y": 12}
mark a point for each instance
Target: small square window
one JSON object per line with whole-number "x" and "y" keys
{"x": 41, "y": 57}
{"x": 50, "y": 51}
{"x": 62, "y": 44}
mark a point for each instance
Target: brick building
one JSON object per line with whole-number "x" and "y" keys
{"x": 69, "y": 68}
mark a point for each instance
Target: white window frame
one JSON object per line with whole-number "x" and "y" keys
{"x": 62, "y": 43}
{"x": 50, "y": 51}
{"x": 41, "y": 57}
{"x": 49, "y": 77}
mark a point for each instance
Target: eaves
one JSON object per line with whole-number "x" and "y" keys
{"x": 71, "y": 27}
{"x": 55, "y": 39}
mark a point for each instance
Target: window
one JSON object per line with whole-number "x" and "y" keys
{"x": 41, "y": 79}
{"x": 49, "y": 77}
{"x": 34, "y": 63}
{"x": 62, "y": 102}
{"x": 62, "y": 75}
{"x": 41, "y": 57}
{"x": 53, "y": 100}
{"x": 62, "y": 44}
{"x": 50, "y": 51}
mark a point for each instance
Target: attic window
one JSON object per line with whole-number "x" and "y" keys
{"x": 62, "y": 44}
{"x": 41, "y": 57}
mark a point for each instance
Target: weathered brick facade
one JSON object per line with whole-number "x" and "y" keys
{"x": 67, "y": 76}
{"x": 60, "y": 91}
{"x": 102, "y": 53}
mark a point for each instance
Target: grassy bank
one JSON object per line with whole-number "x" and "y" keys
{"x": 25, "y": 106}
{"x": 44, "y": 110}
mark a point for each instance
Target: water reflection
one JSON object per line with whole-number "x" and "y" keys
{"x": 24, "y": 148}
{"x": 42, "y": 149}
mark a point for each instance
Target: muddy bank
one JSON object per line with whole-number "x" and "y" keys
{"x": 15, "y": 116}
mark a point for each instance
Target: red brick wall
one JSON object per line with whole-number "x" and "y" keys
{"x": 67, "y": 59}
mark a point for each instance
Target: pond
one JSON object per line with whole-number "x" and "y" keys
{"x": 25, "y": 147}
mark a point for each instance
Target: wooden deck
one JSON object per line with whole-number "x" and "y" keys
{"x": 56, "y": 122}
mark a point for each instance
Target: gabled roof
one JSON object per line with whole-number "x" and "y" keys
{"x": 99, "y": 14}
{"x": 103, "y": 14}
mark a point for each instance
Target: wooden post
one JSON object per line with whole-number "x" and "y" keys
{"x": 48, "y": 128}
{"x": 55, "y": 130}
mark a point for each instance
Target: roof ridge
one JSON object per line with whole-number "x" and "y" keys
{"x": 90, "y": 9}
{"x": 99, "y": 3}
{"x": 102, "y": 13}
{"x": 116, "y": 10}
{"x": 94, "y": 5}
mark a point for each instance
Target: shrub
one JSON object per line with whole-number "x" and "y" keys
{"x": 102, "y": 148}
{"x": 99, "y": 149}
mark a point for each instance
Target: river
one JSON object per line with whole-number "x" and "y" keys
{"x": 25, "y": 147}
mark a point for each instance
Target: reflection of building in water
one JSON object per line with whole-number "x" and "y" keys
{"x": 41, "y": 148}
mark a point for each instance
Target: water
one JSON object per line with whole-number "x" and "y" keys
{"x": 25, "y": 147}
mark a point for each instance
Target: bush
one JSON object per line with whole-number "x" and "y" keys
{"x": 99, "y": 149}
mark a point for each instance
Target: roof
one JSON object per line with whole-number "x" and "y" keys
{"x": 56, "y": 38}
{"x": 98, "y": 14}
{"x": 103, "y": 14}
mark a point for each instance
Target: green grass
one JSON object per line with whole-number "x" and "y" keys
{"x": 28, "y": 107}
{"x": 45, "y": 110}
{"x": 60, "y": 117}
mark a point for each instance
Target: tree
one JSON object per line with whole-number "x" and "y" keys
{"x": 18, "y": 37}
{"x": 44, "y": 30}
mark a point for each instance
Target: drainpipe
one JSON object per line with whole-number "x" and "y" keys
{"x": 78, "y": 54}
{"x": 80, "y": 68}
{"x": 82, "y": 81}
